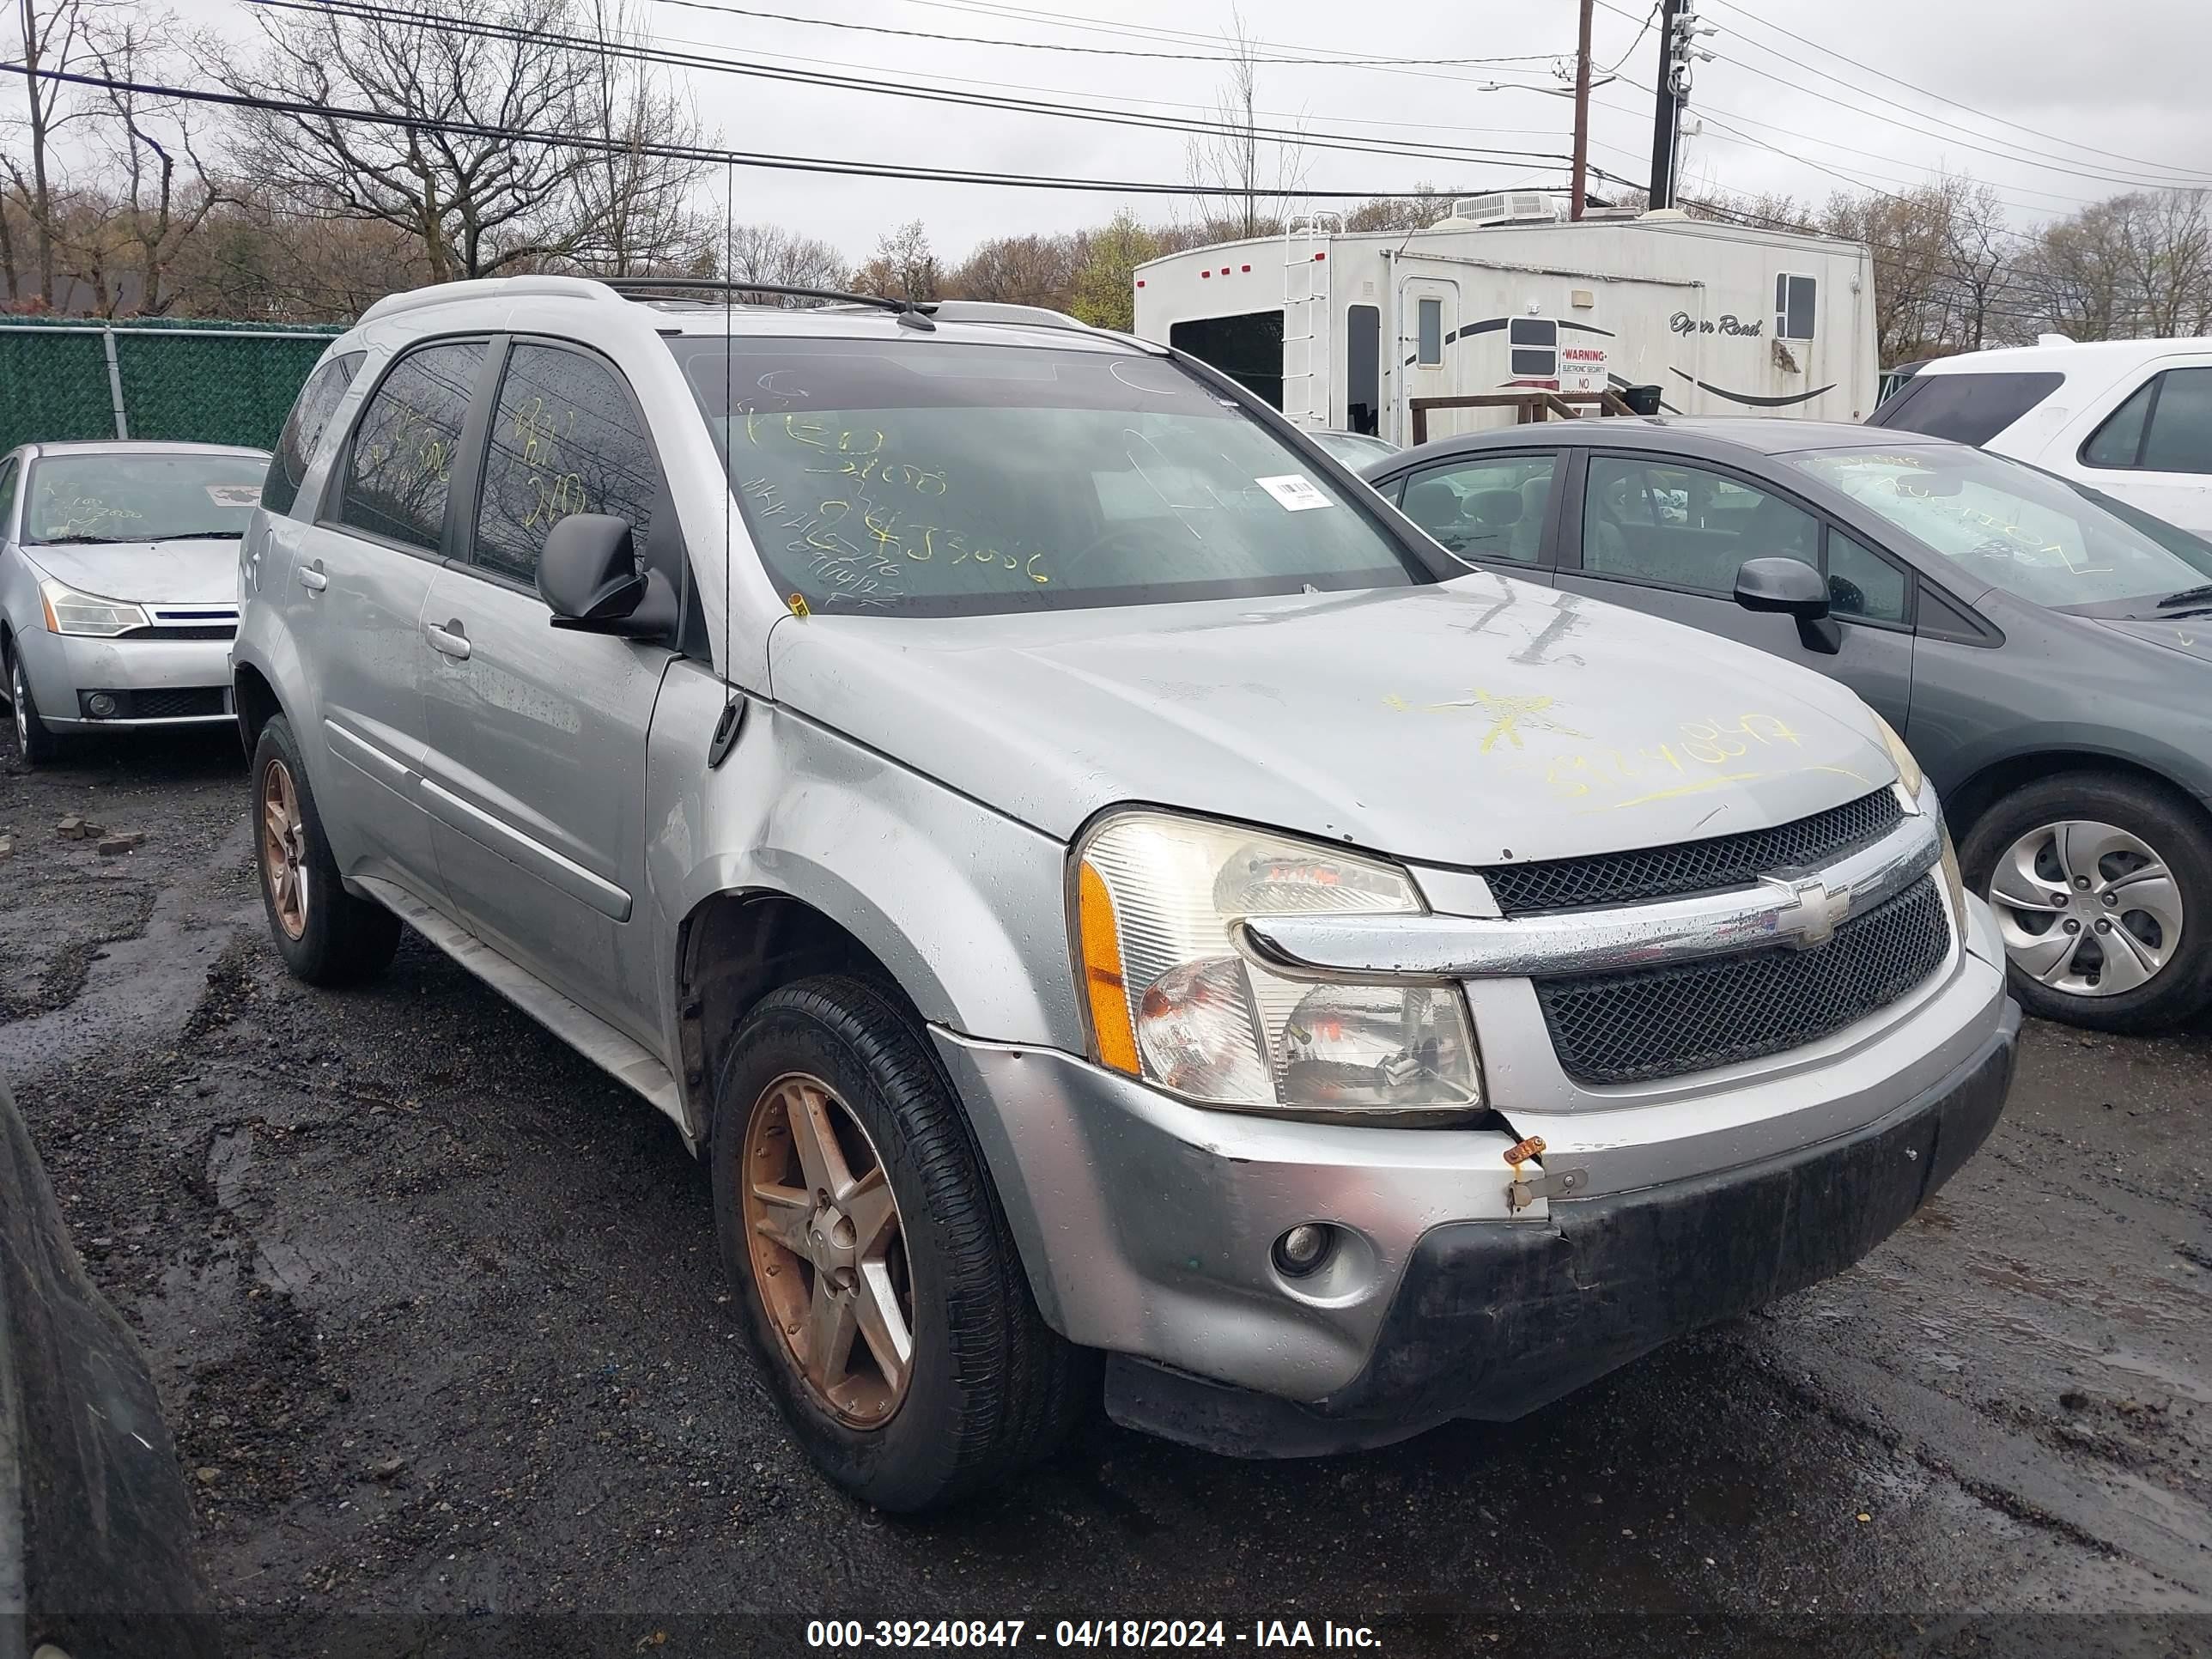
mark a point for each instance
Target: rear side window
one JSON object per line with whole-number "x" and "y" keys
{"x": 401, "y": 464}
{"x": 1485, "y": 509}
{"x": 1971, "y": 409}
{"x": 303, "y": 429}
{"x": 565, "y": 439}
{"x": 7, "y": 476}
{"x": 2166, "y": 427}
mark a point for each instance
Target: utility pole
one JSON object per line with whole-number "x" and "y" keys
{"x": 1581, "y": 187}
{"x": 1666, "y": 118}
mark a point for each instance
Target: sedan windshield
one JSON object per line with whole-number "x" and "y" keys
{"x": 137, "y": 495}
{"x": 2013, "y": 527}
{"x": 948, "y": 479}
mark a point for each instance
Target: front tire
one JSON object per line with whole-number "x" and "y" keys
{"x": 2101, "y": 885}
{"x": 33, "y": 742}
{"x": 883, "y": 1291}
{"x": 325, "y": 935}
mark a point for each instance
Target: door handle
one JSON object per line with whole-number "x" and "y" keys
{"x": 312, "y": 577}
{"x": 453, "y": 639}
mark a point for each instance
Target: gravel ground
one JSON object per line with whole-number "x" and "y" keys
{"x": 451, "y": 1367}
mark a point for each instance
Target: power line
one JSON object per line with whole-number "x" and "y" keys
{"x": 1099, "y": 51}
{"x": 307, "y": 113}
{"x": 1117, "y": 117}
{"x": 1744, "y": 12}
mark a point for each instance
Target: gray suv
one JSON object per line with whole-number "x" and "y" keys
{"x": 1116, "y": 906}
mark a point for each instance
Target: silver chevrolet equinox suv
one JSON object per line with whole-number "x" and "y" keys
{"x": 1118, "y": 909}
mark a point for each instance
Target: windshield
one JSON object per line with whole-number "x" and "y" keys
{"x": 952, "y": 480}
{"x": 126, "y": 496}
{"x": 2012, "y": 526}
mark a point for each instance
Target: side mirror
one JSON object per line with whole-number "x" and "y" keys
{"x": 588, "y": 573}
{"x": 1793, "y": 588}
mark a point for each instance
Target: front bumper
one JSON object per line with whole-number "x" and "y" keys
{"x": 61, "y": 666}
{"x": 1494, "y": 1319}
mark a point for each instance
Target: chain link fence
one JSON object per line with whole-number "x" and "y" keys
{"x": 201, "y": 382}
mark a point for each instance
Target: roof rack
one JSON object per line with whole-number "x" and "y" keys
{"x": 914, "y": 313}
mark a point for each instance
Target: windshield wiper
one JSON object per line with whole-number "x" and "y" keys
{"x": 82, "y": 541}
{"x": 197, "y": 536}
{"x": 2187, "y": 596}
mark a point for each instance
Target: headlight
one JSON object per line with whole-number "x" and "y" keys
{"x": 1909, "y": 774}
{"x": 1172, "y": 1002}
{"x": 1954, "y": 884}
{"x": 68, "y": 611}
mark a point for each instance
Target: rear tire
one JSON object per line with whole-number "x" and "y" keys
{"x": 37, "y": 745}
{"x": 989, "y": 1388}
{"x": 325, "y": 935}
{"x": 2116, "y": 829}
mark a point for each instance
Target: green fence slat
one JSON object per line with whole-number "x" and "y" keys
{"x": 53, "y": 386}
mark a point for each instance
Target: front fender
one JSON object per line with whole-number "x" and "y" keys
{"x": 965, "y": 907}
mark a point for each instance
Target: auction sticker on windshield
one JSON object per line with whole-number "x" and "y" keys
{"x": 1295, "y": 491}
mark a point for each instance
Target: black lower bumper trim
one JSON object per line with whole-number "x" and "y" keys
{"x": 1495, "y": 1319}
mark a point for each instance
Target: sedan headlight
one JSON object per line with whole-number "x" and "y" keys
{"x": 1171, "y": 1001}
{"x": 68, "y": 611}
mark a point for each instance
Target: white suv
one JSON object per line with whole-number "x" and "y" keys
{"x": 2132, "y": 418}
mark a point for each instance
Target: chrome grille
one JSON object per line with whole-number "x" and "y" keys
{"x": 1648, "y": 1023}
{"x": 1696, "y": 866}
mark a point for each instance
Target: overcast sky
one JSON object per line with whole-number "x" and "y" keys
{"x": 2085, "y": 85}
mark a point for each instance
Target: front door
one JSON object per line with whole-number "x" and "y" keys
{"x": 353, "y": 606}
{"x": 1666, "y": 537}
{"x": 536, "y": 765}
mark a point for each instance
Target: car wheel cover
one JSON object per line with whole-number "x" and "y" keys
{"x": 2086, "y": 909}
{"x": 827, "y": 1249}
{"x": 284, "y": 849}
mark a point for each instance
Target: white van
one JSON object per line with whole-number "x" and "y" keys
{"x": 2131, "y": 417}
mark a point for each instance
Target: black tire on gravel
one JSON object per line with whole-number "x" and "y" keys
{"x": 40, "y": 746}
{"x": 345, "y": 939}
{"x": 2174, "y": 828}
{"x": 993, "y": 1389}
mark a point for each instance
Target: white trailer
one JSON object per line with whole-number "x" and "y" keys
{"x": 1346, "y": 330}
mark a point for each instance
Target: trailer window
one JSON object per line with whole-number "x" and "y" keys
{"x": 1429, "y": 351}
{"x": 1363, "y": 369}
{"x": 1534, "y": 345}
{"x": 1249, "y": 349}
{"x": 1793, "y": 307}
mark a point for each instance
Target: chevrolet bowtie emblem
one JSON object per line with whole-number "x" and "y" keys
{"x": 1815, "y": 908}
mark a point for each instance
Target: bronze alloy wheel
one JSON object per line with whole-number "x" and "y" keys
{"x": 283, "y": 849}
{"x": 828, "y": 1256}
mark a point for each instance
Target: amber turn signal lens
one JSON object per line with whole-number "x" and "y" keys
{"x": 1110, "y": 1026}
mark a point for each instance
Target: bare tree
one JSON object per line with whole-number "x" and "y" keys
{"x": 769, "y": 254}
{"x": 1030, "y": 270}
{"x": 56, "y": 40}
{"x": 1254, "y": 175}
{"x": 902, "y": 267}
{"x": 2133, "y": 266}
{"x": 478, "y": 200}
{"x": 633, "y": 199}
{"x": 1977, "y": 260}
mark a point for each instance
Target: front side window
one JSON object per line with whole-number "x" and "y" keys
{"x": 944, "y": 479}
{"x": 140, "y": 495}
{"x": 1685, "y": 526}
{"x": 1861, "y": 583}
{"x": 2011, "y": 526}
{"x": 8, "y": 479}
{"x": 1428, "y": 316}
{"x": 1968, "y": 408}
{"x": 1794, "y": 310}
{"x": 1485, "y": 509}
{"x": 2166, "y": 427}
{"x": 401, "y": 464}
{"x": 303, "y": 429}
{"x": 565, "y": 438}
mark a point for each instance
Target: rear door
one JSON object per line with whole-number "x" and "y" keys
{"x": 1667, "y": 536}
{"x": 353, "y": 606}
{"x": 536, "y": 765}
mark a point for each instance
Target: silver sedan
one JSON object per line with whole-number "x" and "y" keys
{"x": 118, "y": 584}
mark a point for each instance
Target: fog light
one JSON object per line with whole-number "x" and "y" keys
{"x": 101, "y": 705}
{"x": 1304, "y": 1248}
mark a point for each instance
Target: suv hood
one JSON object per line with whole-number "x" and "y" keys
{"x": 1481, "y": 721}
{"x": 145, "y": 572}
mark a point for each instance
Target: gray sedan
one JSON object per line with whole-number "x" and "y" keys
{"x": 2046, "y": 651}
{"x": 118, "y": 584}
